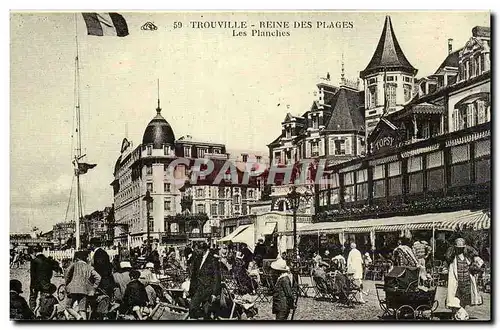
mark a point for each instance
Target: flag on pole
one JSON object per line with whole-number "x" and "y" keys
{"x": 105, "y": 24}
{"x": 84, "y": 167}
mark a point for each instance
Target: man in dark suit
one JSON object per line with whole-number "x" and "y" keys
{"x": 205, "y": 282}
{"x": 41, "y": 269}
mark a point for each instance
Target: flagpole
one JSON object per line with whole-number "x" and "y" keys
{"x": 79, "y": 138}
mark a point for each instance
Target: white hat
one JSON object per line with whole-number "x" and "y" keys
{"x": 150, "y": 265}
{"x": 125, "y": 264}
{"x": 280, "y": 265}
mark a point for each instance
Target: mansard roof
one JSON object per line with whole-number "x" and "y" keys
{"x": 388, "y": 54}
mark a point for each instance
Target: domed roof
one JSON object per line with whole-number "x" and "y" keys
{"x": 158, "y": 132}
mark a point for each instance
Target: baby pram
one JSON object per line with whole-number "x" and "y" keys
{"x": 405, "y": 297}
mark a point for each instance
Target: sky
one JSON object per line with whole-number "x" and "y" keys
{"x": 213, "y": 86}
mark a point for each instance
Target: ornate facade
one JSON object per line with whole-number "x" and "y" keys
{"x": 178, "y": 212}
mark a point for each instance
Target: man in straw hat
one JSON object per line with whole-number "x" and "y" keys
{"x": 462, "y": 285}
{"x": 283, "y": 299}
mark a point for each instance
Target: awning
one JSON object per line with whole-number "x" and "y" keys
{"x": 229, "y": 238}
{"x": 245, "y": 236}
{"x": 474, "y": 220}
{"x": 269, "y": 228}
{"x": 441, "y": 221}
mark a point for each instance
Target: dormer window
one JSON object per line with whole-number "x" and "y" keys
{"x": 244, "y": 158}
{"x": 149, "y": 149}
{"x": 216, "y": 151}
{"x": 288, "y": 132}
{"x": 166, "y": 149}
{"x": 201, "y": 152}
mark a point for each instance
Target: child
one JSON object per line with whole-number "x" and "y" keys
{"x": 48, "y": 303}
{"x": 135, "y": 296}
{"x": 283, "y": 300}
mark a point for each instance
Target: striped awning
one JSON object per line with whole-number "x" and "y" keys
{"x": 440, "y": 221}
{"x": 475, "y": 220}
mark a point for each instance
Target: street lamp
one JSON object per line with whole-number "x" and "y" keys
{"x": 294, "y": 197}
{"x": 148, "y": 199}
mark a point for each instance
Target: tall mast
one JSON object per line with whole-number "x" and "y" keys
{"x": 78, "y": 155}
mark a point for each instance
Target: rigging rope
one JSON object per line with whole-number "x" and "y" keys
{"x": 69, "y": 200}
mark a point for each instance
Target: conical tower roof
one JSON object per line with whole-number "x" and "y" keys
{"x": 388, "y": 54}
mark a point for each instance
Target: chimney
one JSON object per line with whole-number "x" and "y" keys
{"x": 450, "y": 46}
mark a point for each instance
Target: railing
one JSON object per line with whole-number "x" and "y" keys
{"x": 60, "y": 255}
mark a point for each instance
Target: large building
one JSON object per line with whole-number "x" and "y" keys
{"x": 429, "y": 164}
{"x": 178, "y": 211}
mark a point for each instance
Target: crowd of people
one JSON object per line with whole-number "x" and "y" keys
{"x": 129, "y": 283}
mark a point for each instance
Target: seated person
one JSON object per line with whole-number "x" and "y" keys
{"x": 135, "y": 296}
{"x": 48, "y": 304}
{"x": 339, "y": 263}
{"x": 320, "y": 277}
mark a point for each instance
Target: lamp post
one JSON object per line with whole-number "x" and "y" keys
{"x": 294, "y": 198}
{"x": 148, "y": 199}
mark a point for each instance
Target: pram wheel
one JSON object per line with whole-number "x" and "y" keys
{"x": 423, "y": 312}
{"x": 405, "y": 312}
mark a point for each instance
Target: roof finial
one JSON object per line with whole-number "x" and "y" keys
{"x": 158, "y": 109}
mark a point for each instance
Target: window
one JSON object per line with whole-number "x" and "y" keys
{"x": 407, "y": 79}
{"x": 236, "y": 199}
{"x": 339, "y": 147}
{"x": 149, "y": 149}
{"x": 167, "y": 205}
{"x": 258, "y": 158}
{"x": 483, "y": 170}
{"x": 362, "y": 185}
{"x": 250, "y": 194}
{"x": 187, "y": 151}
{"x": 200, "y": 208}
{"x": 394, "y": 168}
{"x": 151, "y": 224}
{"x": 434, "y": 159}
{"x": 460, "y": 169}
{"x": 379, "y": 188}
{"x": 277, "y": 157}
{"x": 213, "y": 209}
{"x": 221, "y": 208}
{"x": 166, "y": 187}
{"x": 199, "y": 192}
{"x": 216, "y": 151}
{"x": 372, "y": 81}
{"x": 395, "y": 187}
{"x": 407, "y": 91}
{"x": 149, "y": 169}
{"x": 288, "y": 132}
{"x": 314, "y": 148}
{"x": 245, "y": 158}
{"x": 288, "y": 156}
{"x": 201, "y": 152}
{"x": 222, "y": 192}
{"x": 315, "y": 121}
{"x": 391, "y": 95}
{"x": 166, "y": 149}
{"x": 372, "y": 96}
{"x": 349, "y": 195}
{"x": 149, "y": 186}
